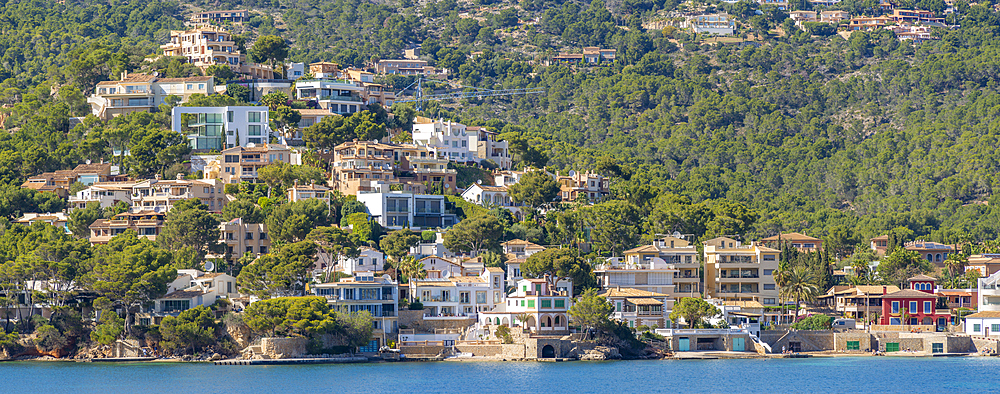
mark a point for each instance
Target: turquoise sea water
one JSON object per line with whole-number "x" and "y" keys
{"x": 816, "y": 375}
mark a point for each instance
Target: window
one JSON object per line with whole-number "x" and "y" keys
{"x": 201, "y": 86}
{"x": 480, "y": 297}
{"x": 995, "y": 328}
{"x": 531, "y": 303}
{"x": 253, "y": 117}
{"x": 853, "y": 345}
{"x": 927, "y": 307}
{"x": 892, "y": 347}
{"x": 913, "y": 307}
{"x": 254, "y": 129}
{"x": 769, "y": 301}
{"x": 232, "y": 158}
{"x": 562, "y": 304}
{"x": 768, "y": 286}
{"x": 768, "y": 272}
{"x": 937, "y": 348}
{"x": 546, "y": 303}
{"x": 249, "y": 249}
{"x": 229, "y": 116}
{"x": 176, "y": 305}
{"x": 463, "y": 297}
{"x": 977, "y": 328}
{"x": 767, "y": 257}
{"x": 895, "y": 307}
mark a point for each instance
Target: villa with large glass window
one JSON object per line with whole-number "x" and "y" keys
{"x": 377, "y": 295}
{"x": 218, "y": 128}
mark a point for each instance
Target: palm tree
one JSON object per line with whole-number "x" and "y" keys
{"x": 955, "y": 263}
{"x": 800, "y": 283}
{"x": 411, "y": 268}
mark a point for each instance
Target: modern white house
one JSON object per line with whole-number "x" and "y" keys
{"x": 218, "y": 128}
{"x": 368, "y": 260}
{"x": 192, "y": 288}
{"x": 104, "y": 193}
{"x": 459, "y": 297}
{"x": 448, "y": 139}
{"x": 492, "y": 196}
{"x": 338, "y": 97}
{"x": 398, "y": 210}
{"x": 377, "y": 295}
{"x": 986, "y": 322}
{"x": 718, "y": 24}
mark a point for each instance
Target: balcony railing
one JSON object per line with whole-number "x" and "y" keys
{"x": 438, "y": 299}
{"x": 341, "y": 98}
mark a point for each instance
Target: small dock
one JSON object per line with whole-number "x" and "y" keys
{"x": 555, "y": 360}
{"x": 294, "y": 361}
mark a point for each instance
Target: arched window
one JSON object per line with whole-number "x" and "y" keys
{"x": 557, "y": 320}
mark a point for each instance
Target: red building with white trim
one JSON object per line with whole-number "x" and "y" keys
{"x": 914, "y": 306}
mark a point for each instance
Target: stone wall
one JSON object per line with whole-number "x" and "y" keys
{"x": 983, "y": 345}
{"x": 481, "y": 350}
{"x": 415, "y": 320}
{"x": 283, "y": 347}
{"x": 809, "y": 341}
{"x": 425, "y": 351}
{"x": 513, "y": 351}
{"x": 864, "y": 340}
{"x": 533, "y": 347}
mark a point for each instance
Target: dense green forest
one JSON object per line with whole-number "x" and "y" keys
{"x": 834, "y": 137}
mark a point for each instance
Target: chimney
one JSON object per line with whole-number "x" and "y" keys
{"x": 883, "y": 290}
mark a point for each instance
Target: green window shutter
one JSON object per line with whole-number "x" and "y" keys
{"x": 562, "y": 304}
{"x": 892, "y": 347}
{"x": 546, "y": 303}
{"x": 853, "y": 345}
{"x": 531, "y": 303}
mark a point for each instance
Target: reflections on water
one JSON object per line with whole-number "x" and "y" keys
{"x": 844, "y": 374}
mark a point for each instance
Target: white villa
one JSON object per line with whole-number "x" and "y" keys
{"x": 459, "y": 297}
{"x": 546, "y": 307}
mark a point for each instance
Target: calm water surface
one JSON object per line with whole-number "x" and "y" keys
{"x": 818, "y": 375}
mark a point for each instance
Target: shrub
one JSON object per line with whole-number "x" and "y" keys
{"x": 503, "y": 333}
{"x": 814, "y": 322}
{"x": 416, "y": 306}
{"x": 49, "y": 338}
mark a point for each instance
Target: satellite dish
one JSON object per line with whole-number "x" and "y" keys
{"x": 572, "y": 173}
{"x": 447, "y": 274}
{"x": 386, "y": 277}
{"x": 209, "y": 266}
{"x": 676, "y": 234}
{"x": 479, "y": 182}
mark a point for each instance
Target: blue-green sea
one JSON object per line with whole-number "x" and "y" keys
{"x": 815, "y": 375}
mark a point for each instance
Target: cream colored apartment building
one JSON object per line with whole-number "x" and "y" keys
{"x": 738, "y": 272}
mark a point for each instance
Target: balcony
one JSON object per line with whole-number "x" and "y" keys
{"x": 439, "y": 299}
{"x": 351, "y": 99}
{"x": 453, "y": 316}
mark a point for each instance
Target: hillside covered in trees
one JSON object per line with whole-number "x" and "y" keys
{"x": 841, "y": 138}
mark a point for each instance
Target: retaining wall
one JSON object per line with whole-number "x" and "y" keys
{"x": 481, "y": 350}
{"x": 283, "y": 347}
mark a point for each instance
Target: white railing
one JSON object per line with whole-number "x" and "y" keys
{"x": 698, "y": 331}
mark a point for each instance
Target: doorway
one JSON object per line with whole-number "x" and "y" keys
{"x": 548, "y": 352}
